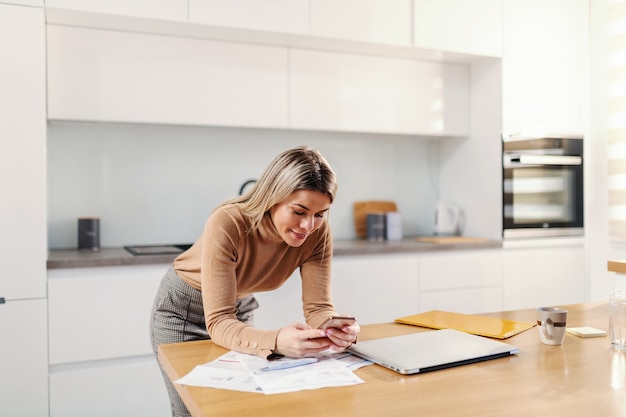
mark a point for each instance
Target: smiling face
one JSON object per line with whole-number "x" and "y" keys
{"x": 303, "y": 212}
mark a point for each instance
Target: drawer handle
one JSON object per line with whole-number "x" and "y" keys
{"x": 2, "y": 301}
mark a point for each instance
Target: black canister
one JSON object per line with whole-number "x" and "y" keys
{"x": 376, "y": 226}
{"x": 89, "y": 233}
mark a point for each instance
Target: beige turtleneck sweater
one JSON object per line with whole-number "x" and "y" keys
{"x": 228, "y": 262}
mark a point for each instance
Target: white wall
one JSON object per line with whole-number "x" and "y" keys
{"x": 153, "y": 184}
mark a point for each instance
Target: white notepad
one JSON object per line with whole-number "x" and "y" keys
{"x": 432, "y": 350}
{"x": 586, "y": 331}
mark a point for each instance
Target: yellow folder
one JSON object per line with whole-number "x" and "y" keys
{"x": 469, "y": 323}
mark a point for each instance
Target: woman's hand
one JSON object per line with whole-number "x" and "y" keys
{"x": 343, "y": 338}
{"x": 298, "y": 340}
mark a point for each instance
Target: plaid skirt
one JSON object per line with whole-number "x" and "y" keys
{"x": 178, "y": 316}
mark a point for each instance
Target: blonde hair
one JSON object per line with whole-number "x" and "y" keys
{"x": 299, "y": 168}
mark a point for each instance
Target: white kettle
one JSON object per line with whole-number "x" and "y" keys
{"x": 448, "y": 219}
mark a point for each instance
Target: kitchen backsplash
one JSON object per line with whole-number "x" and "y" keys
{"x": 153, "y": 184}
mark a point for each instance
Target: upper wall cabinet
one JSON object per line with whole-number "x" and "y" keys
{"x": 289, "y": 16}
{"x": 375, "y": 21}
{"x": 358, "y": 93}
{"x": 472, "y": 27}
{"x": 154, "y": 9}
{"x": 553, "y": 30}
{"x": 96, "y": 75}
{"x": 544, "y": 84}
{"x": 543, "y": 98}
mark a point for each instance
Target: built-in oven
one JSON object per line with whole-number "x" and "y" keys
{"x": 542, "y": 189}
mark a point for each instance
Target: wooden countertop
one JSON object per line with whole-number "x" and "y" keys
{"x": 73, "y": 258}
{"x": 582, "y": 377}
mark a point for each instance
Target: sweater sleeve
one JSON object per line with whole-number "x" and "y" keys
{"x": 315, "y": 272}
{"x": 220, "y": 255}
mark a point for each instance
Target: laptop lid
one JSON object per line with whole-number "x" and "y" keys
{"x": 429, "y": 351}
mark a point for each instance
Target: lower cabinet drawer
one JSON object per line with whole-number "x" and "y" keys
{"x": 101, "y": 313}
{"x": 127, "y": 388}
{"x": 376, "y": 289}
{"x": 466, "y": 269}
{"x": 467, "y": 301}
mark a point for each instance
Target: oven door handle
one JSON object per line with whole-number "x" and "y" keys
{"x": 547, "y": 160}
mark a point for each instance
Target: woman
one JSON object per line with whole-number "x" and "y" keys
{"x": 254, "y": 243}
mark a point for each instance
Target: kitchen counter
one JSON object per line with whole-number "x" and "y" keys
{"x": 581, "y": 377}
{"x": 73, "y": 258}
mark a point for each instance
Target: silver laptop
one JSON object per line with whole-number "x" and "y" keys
{"x": 432, "y": 350}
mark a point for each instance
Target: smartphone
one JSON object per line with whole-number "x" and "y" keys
{"x": 338, "y": 322}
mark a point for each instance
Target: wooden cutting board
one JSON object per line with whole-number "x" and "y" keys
{"x": 361, "y": 208}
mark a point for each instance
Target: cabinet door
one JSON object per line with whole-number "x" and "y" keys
{"x": 131, "y": 388}
{"x": 333, "y": 91}
{"x": 280, "y": 307}
{"x": 101, "y": 313}
{"x": 545, "y": 98}
{"x": 154, "y": 9}
{"x": 289, "y": 16}
{"x": 375, "y": 289}
{"x": 465, "y": 283}
{"x": 543, "y": 277}
{"x": 554, "y": 30}
{"x": 23, "y": 243}
{"x": 101, "y": 75}
{"x": 374, "y": 21}
{"x": 24, "y": 361}
{"x": 472, "y": 27}
{"x": 544, "y": 83}
{"x": 465, "y": 301}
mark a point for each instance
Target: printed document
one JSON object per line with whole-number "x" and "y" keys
{"x": 242, "y": 372}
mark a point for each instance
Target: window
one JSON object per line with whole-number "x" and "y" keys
{"x": 617, "y": 118}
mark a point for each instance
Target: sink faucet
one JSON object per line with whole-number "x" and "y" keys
{"x": 245, "y": 184}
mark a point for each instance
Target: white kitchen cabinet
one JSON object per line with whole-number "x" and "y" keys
{"x": 554, "y": 30}
{"x": 280, "y": 307}
{"x": 344, "y": 92}
{"x": 109, "y": 76}
{"x": 101, "y": 359}
{"x": 543, "y": 98}
{"x": 23, "y": 245}
{"x": 120, "y": 389}
{"x": 464, "y": 282}
{"x": 24, "y": 375}
{"x": 375, "y": 289}
{"x": 372, "y": 21}
{"x": 101, "y": 313}
{"x": 466, "y": 301}
{"x": 287, "y": 16}
{"x": 471, "y": 27}
{"x": 543, "y": 276}
{"x": 152, "y": 9}
{"x": 544, "y": 71}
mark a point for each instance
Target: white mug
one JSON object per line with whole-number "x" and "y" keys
{"x": 551, "y": 323}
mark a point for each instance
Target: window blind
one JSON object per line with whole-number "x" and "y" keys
{"x": 616, "y": 123}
